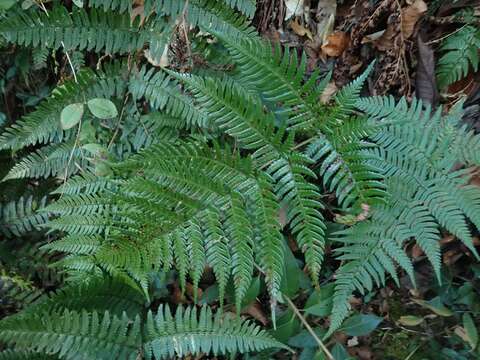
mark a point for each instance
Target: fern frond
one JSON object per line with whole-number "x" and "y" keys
{"x": 417, "y": 154}
{"x": 20, "y": 217}
{"x": 43, "y": 125}
{"x": 83, "y": 334}
{"x": 98, "y": 294}
{"x": 81, "y": 30}
{"x": 217, "y": 250}
{"x": 240, "y": 231}
{"x": 279, "y": 76}
{"x": 52, "y": 160}
{"x": 163, "y": 93}
{"x": 460, "y": 53}
{"x": 191, "y": 332}
{"x": 24, "y": 355}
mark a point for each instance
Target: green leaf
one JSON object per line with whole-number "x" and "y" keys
{"x": 102, "y": 108}
{"x": 410, "y": 320}
{"x": 95, "y": 149}
{"x": 470, "y": 330}
{"x": 78, "y": 3}
{"x": 71, "y": 115}
{"x": 252, "y": 292}
{"x": 320, "y": 301}
{"x": 305, "y": 340}
{"x": 293, "y": 273}
{"x": 361, "y": 324}
{"x": 339, "y": 352}
{"x": 287, "y": 325}
{"x": 436, "y": 306}
{"x": 7, "y": 4}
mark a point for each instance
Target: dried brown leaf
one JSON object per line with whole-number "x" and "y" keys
{"x": 328, "y": 92}
{"x": 336, "y": 44}
{"x": 255, "y": 310}
{"x": 426, "y": 85}
{"x": 300, "y": 30}
{"x": 411, "y": 15}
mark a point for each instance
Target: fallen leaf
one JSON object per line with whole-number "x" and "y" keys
{"x": 386, "y": 41}
{"x": 447, "y": 239}
{"x": 410, "y": 320}
{"x": 411, "y": 15}
{"x": 300, "y": 30}
{"x": 140, "y": 12}
{"x": 426, "y": 85}
{"x": 471, "y": 331}
{"x": 436, "y": 306}
{"x": 328, "y": 92}
{"x": 373, "y": 37}
{"x": 255, "y": 310}
{"x": 417, "y": 251}
{"x": 326, "y": 11}
{"x": 336, "y": 44}
{"x": 294, "y": 8}
{"x": 461, "y": 333}
{"x": 162, "y": 62}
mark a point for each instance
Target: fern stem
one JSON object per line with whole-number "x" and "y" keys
{"x": 309, "y": 328}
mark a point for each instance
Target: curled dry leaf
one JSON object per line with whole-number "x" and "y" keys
{"x": 336, "y": 44}
{"x": 162, "y": 62}
{"x": 300, "y": 30}
{"x": 411, "y": 15}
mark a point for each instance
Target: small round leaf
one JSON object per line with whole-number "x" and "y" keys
{"x": 102, "y": 108}
{"x": 71, "y": 115}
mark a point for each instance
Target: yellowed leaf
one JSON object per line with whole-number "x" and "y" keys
{"x": 300, "y": 30}
{"x": 410, "y": 320}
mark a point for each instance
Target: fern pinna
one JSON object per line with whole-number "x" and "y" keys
{"x": 209, "y": 170}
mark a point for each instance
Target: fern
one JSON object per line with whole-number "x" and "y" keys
{"x": 425, "y": 192}
{"x": 81, "y": 30}
{"x": 52, "y": 160}
{"x": 460, "y": 53}
{"x": 20, "y": 217}
{"x": 159, "y": 336}
{"x": 209, "y": 170}
{"x": 43, "y": 125}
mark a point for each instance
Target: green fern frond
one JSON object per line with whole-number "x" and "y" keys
{"x": 98, "y": 294}
{"x": 17, "y": 292}
{"x": 163, "y": 93}
{"x": 460, "y": 53}
{"x": 240, "y": 231}
{"x": 43, "y": 125}
{"x": 61, "y": 160}
{"x": 81, "y": 30}
{"x": 20, "y": 217}
{"x": 417, "y": 154}
{"x": 24, "y": 355}
{"x": 85, "y": 183}
{"x": 90, "y": 335}
{"x": 191, "y": 332}
{"x": 279, "y": 76}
